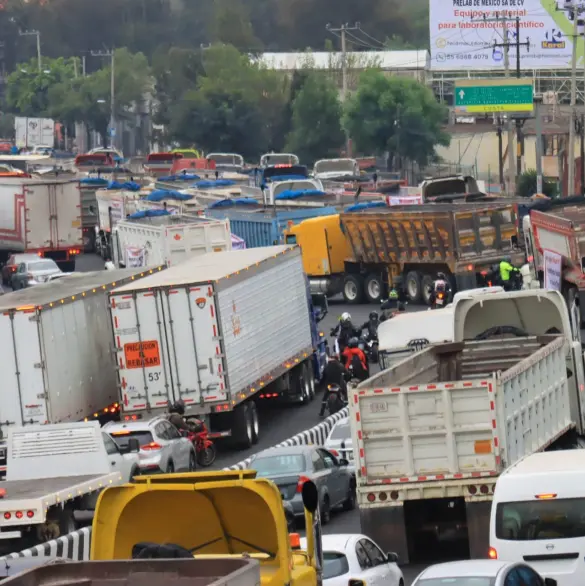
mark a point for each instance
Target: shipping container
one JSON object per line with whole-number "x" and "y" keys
{"x": 265, "y": 226}
{"x": 56, "y": 343}
{"x": 217, "y": 331}
{"x": 168, "y": 239}
{"x": 433, "y": 432}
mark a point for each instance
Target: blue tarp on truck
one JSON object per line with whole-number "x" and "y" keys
{"x": 265, "y": 227}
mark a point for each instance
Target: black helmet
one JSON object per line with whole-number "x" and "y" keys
{"x": 441, "y": 276}
{"x": 178, "y": 407}
{"x": 353, "y": 343}
{"x": 374, "y": 316}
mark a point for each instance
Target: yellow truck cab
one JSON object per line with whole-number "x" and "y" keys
{"x": 213, "y": 515}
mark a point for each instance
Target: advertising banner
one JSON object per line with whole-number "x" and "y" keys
{"x": 552, "y": 270}
{"x": 135, "y": 257}
{"x": 463, "y": 34}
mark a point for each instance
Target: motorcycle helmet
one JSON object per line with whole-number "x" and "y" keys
{"x": 374, "y": 316}
{"x": 393, "y": 294}
{"x": 441, "y": 277}
{"x": 353, "y": 343}
{"x": 345, "y": 317}
{"x": 178, "y": 407}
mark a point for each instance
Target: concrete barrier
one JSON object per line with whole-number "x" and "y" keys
{"x": 76, "y": 546}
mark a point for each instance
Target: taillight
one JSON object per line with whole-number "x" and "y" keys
{"x": 492, "y": 554}
{"x": 7, "y": 515}
{"x": 30, "y": 514}
{"x": 302, "y": 480}
{"x": 335, "y": 453}
{"x": 13, "y": 269}
{"x": 441, "y": 295}
{"x": 152, "y": 446}
{"x": 19, "y": 514}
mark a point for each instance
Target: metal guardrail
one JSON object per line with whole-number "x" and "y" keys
{"x": 76, "y": 546}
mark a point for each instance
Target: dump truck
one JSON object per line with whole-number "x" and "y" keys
{"x": 557, "y": 234}
{"x": 220, "y": 331}
{"x": 433, "y": 432}
{"x": 361, "y": 254}
{"x": 229, "y": 514}
{"x": 147, "y": 572}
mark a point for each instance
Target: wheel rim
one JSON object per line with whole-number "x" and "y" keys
{"x": 255, "y": 423}
{"x": 350, "y": 290}
{"x": 411, "y": 287}
{"x": 249, "y": 425}
{"x": 374, "y": 289}
{"x": 312, "y": 385}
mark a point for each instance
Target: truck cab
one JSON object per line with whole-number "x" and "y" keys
{"x": 212, "y": 514}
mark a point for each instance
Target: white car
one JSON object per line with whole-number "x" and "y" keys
{"x": 356, "y": 557}
{"x": 124, "y": 459}
{"x": 481, "y": 573}
{"x": 339, "y": 442}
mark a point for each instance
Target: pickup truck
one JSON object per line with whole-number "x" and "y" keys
{"x": 433, "y": 432}
{"x": 54, "y": 471}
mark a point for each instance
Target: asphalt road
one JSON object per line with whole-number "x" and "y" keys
{"x": 280, "y": 423}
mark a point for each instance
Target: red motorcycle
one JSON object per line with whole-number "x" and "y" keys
{"x": 205, "y": 449}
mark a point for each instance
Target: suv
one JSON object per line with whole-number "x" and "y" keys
{"x": 162, "y": 447}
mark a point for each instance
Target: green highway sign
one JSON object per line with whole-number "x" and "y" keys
{"x": 481, "y": 96}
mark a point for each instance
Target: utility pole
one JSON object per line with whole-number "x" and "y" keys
{"x": 573, "y": 12}
{"x": 341, "y": 32}
{"x": 538, "y": 123}
{"x": 519, "y": 140}
{"x": 36, "y": 34}
{"x": 112, "y": 129}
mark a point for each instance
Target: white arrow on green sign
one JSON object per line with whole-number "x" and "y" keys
{"x": 481, "y": 96}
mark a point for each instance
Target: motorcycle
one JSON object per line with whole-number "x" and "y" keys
{"x": 492, "y": 279}
{"x": 371, "y": 344}
{"x": 335, "y": 400}
{"x": 440, "y": 300}
{"x": 205, "y": 450}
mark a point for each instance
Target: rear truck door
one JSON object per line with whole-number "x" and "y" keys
{"x": 40, "y": 228}
{"x": 141, "y": 351}
{"x": 67, "y": 207}
{"x": 12, "y": 216}
{"x": 23, "y": 400}
{"x": 195, "y": 353}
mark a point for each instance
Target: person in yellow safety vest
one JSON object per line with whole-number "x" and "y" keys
{"x": 506, "y": 269}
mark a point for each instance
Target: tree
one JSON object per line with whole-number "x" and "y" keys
{"x": 232, "y": 26}
{"x": 27, "y": 92}
{"x": 395, "y": 115}
{"x": 236, "y": 106}
{"x": 527, "y": 183}
{"x": 316, "y": 120}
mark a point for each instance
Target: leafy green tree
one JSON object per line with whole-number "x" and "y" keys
{"x": 232, "y": 26}
{"x": 527, "y": 183}
{"x": 236, "y": 106}
{"x": 316, "y": 120}
{"x": 27, "y": 92}
{"x": 397, "y": 115}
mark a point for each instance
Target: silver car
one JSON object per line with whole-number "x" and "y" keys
{"x": 162, "y": 447}
{"x": 34, "y": 272}
{"x": 339, "y": 442}
{"x": 289, "y": 468}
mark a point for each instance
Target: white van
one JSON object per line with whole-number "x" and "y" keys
{"x": 410, "y": 332}
{"x": 538, "y": 515}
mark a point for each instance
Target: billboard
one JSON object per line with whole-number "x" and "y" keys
{"x": 462, "y": 34}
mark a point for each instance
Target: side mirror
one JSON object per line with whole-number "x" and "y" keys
{"x": 550, "y": 582}
{"x": 343, "y": 462}
{"x": 393, "y": 559}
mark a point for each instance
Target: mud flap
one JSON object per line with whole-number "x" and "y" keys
{"x": 387, "y": 528}
{"x": 478, "y": 528}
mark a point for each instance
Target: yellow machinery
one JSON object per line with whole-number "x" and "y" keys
{"x": 212, "y": 514}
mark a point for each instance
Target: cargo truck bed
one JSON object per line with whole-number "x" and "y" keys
{"x": 50, "y": 487}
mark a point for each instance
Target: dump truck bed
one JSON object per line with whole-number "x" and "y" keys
{"x": 455, "y": 234}
{"x": 176, "y": 572}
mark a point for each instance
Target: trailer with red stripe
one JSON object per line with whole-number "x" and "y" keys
{"x": 219, "y": 331}
{"x": 432, "y": 433}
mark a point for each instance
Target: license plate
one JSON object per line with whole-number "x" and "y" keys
{"x": 378, "y": 407}
{"x": 439, "y": 302}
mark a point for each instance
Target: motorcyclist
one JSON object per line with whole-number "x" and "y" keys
{"x": 334, "y": 373}
{"x": 397, "y": 300}
{"x": 506, "y": 271}
{"x": 355, "y": 360}
{"x": 440, "y": 285}
{"x": 176, "y": 417}
{"x": 372, "y": 325}
{"x": 344, "y": 331}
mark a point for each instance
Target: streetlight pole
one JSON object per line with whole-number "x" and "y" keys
{"x": 37, "y": 34}
{"x": 112, "y": 129}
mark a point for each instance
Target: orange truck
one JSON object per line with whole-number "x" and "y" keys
{"x": 361, "y": 254}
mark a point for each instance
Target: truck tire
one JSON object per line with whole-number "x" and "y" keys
{"x": 242, "y": 426}
{"x": 413, "y": 286}
{"x": 427, "y": 281}
{"x": 374, "y": 288}
{"x": 572, "y": 296}
{"x": 300, "y": 386}
{"x": 310, "y": 379}
{"x": 255, "y": 422}
{"x": 66, "y": 521}
{"x": 353, "y": 290}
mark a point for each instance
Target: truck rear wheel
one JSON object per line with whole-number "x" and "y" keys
{"x": 309, "y": 380}
{"x": 426, "y": 285}
{"x": 374, "y": 288}
{"x": 353, "y": 291}
{"x": 413, "y": 286}
{"x": 255, "y": 422}
{"x": 243, "y": 426}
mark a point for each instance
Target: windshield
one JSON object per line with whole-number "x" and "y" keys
{"x": 42, "y": 265}
{"x": 341, "y": 166}
{"x": 144, "y": 437}
{"x": 279, "y": 159}
{"x": 276, "y": 465}
{"x": 341, "y": 432}
{"x": 226, "y": 159}
{"x": 541, "y": 519}
{"x": 465, "y": 581}
{"x": 334, "y": 564}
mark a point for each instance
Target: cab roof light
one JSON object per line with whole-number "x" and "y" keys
{"x": 545, "y": 496}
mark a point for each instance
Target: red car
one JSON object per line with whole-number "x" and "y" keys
{"x": 12, "y": 264}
